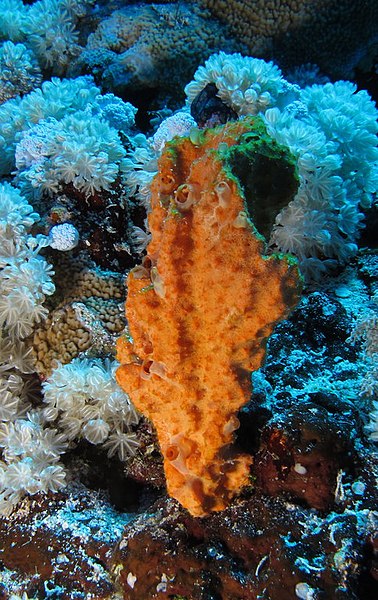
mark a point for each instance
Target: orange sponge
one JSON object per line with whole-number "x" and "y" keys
{"x": 201, "y": 306}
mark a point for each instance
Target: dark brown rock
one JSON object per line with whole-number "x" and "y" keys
{"x": 301, "y": 453}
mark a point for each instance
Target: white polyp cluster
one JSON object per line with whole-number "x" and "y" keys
{"x": 63, "y": 237}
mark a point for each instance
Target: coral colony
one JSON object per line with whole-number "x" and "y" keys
{"x": 189, "y": 300}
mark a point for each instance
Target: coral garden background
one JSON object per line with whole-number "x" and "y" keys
{"x": 95, "y": 100}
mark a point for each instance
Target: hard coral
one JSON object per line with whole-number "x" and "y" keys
{"x": 84, "y": 313}
{"x": 152, "y": 46}
{"x": 203, "y": 303}
{"x": 334, "y": 35}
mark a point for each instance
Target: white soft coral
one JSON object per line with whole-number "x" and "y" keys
{"x": 30, "y": 459}
{"x": 25, "y": 276}
{"x": 84, "y": 400}
{"x": 331, "y": 129}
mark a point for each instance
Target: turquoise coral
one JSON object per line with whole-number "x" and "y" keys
{"x": 19, "y": 71}
{"x": 60, "y": 134}
{"x": 48, "y": 28}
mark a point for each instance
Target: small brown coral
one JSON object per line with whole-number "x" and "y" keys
{"x": 200, "y": 309}
{"x": 84, "y": 313}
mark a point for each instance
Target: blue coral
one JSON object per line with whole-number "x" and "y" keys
{"x": 19, "y": 71}
{"x": 64, "y": 132}
{"x": 48, "y": 28}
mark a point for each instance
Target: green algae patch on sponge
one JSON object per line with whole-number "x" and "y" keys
{"x": 200, "y": 309}
{"x": 267, "y": 173}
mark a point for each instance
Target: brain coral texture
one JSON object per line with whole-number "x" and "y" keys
{"x": 152, "y": 46}
{"x": 335, "y": 35}
{"x": 199, "y": 310}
